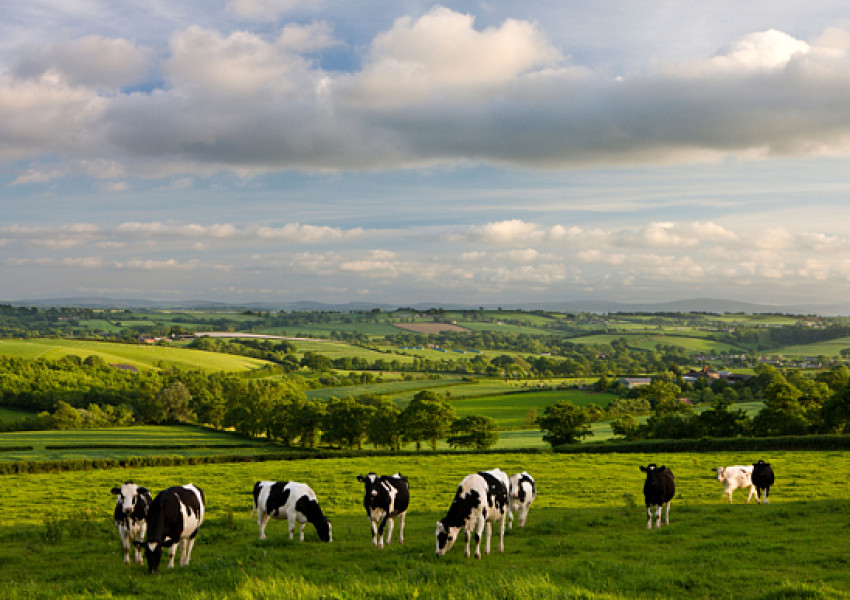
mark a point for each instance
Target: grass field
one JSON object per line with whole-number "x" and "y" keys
{"x": 585, "y": 537}
{"x": 140, "y": 356}
{"x": 830, "y": 348}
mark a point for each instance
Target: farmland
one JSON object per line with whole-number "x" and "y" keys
{"x": 586, "y": 537}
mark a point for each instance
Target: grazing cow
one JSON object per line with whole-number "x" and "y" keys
{"x": 481, "y": 499}
{"x": 762, "y": 479}
{"x": 522, "y": 494}
{"x": 736, "y": 477}
{"x": 658, "y": 490}
{"x": 131, "y": 508}
{"x": 386, "y": 498}
{"x": 292, "y": 501}
{"x": 174, "y": 518}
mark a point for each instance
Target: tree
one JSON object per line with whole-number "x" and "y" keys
{"x": 427, "y": 417}
{"x": 564, "y": 423}
{"x": 836, "y": 411}
{"x": 384, "y": 425}
{"x": 479, "y": 432}
{"x": 626, "y": 426}
{"x": 345, "y": 422}
{"x": 174, "y": 401}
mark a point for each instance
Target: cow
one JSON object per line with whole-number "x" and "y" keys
{"x": 174, "y": 518}
{"x": 386, "y": 498}
{"x": 131, "y": 509}
{"x": 522, "y": 494}
{"x": 762, "y": 478}
{"x": 481, "y": 499}
{"x": 736, "y": 477}
{"x": 658, "y": 490}
{"x": 292, "y": 501}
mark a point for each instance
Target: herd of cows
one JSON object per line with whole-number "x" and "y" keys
{"x": 174, "y": 516}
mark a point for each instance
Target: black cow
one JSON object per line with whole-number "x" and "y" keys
{"x": 291, "y": 501}
{"x": 481, "y": 499}
{"x": 658, "y": 490}
{"x": 762, "y": 479}
{"x": 131, "y": 509}
{"x": 386, "y": 498}
{"x": 174, "y": 517}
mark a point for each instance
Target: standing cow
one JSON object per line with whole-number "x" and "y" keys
{"x": 131, "y": 509}
{"x": 736, "y": 477}
{"x": 658, "y": 490}
{"x": 762, "y": 479}
{"x": 292, "y": 501}
{"x": 481, "y": 499}
{"x": 386, "y": 498}
{"x": 174, "y": 518}
{"x": 522, "y": 494}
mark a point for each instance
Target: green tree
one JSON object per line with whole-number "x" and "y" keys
{"x": 479, "y": 432}
{"x": 564, "y": 423}
{"x": 426, "y": 417}
{"x": 384, "y": 425}
{"x": 345, "y": 422}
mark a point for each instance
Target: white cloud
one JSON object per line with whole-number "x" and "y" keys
{"x": 268, "y": 10}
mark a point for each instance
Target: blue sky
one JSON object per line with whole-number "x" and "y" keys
{"x": 407, "y": 152}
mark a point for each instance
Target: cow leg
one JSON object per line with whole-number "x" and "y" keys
{"x": 752, "y": 493}
{"x": 468, "y": 534}
{"x": 262, "y": 521}
{"x": 401, "y": 529}
{"x": 140, "y": 536}
{"x": 390, "y": 525}
{"x": 291, "y": 520}
{"x": 667, "y": 514}
{"x": 374, "y": 527}
{"x": 171, "y": 552}
{"x": 479, "y": 532}
{"x": 188, "y": 544}
{"x": 125, "y": 544}
{"x": 489, "y": 527}
{"x": 649, "y": 516}
{"x": 502, "y": 533}
{"x": 523, "y": 514}
{"x": 301, "y": 532}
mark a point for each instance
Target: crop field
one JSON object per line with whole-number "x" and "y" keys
{"x": 140, "y": 356}
{"x": 585, "y": 538}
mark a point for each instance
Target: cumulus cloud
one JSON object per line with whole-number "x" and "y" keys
{"x": 436, "y": 89}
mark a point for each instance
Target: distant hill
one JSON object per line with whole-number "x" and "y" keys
{"x": 708, "y": 305}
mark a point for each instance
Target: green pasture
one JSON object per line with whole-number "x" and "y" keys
{"x": 141, "y": 356}
{"x": 828, "y": 348}
{"x": 511, "y": 411}
{"x": 386, "y": 389}
{"x": 585, "y": 537}
{"x": 690, "y": 344}
{"x": 10, "y": 414}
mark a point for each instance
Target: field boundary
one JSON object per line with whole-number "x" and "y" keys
{"x": 807, "y": 442}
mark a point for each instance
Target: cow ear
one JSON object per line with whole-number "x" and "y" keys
{"x": 643, "y": 469}
{"x": 361, "y": 478}
{"x": 662, "y": 468}
{"x": 115, "y": 490}
{"x": 144, "y": 490}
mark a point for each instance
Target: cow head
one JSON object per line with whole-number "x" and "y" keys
{"x": 153, "y": 554}
{"x": 128, "y": 496}
{"x": 721, "y": 473}
{"x": 446, "y": 537}
{"x": 324, "y": 530}
{"x": 654, "y": 474}
{"x": 370, "y": 482}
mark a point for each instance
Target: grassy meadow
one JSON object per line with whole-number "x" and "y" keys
{"x": 138, "y": 355}
{"x": 585, "y": 538}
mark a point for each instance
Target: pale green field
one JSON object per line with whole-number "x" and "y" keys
{"x": 141, "y": 356}
{"x": 829, "y": 348}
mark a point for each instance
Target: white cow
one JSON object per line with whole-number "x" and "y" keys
{"x": 522, "y": 494}
{"x": 292, "y": 501}
{"x": 480, "y": 500}
{"x": 738, "y": 476}
{"x": 131, "y": 510}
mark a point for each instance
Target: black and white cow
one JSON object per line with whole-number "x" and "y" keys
{"x": 481, "y": 499}
{"x": 658, "y": 490}
{"x": 292, "y": 501}
{"x": 762, "y": 480}
{"x": 174, "y": 518}
{"x": 131, "y": 509}
{"x": 386, "y": 498}
{"x": 522, "y": 494}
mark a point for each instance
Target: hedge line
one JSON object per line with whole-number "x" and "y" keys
{"x": 85, "y": 464}
{"x": 145, "y": 446}
{"x": 805, "y": 442}
{"x": 15, "y": 448}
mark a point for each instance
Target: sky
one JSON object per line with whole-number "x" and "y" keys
{"x": 402, "y": 152}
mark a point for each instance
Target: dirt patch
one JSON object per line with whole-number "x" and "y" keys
{"x": 428, "y": 328}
